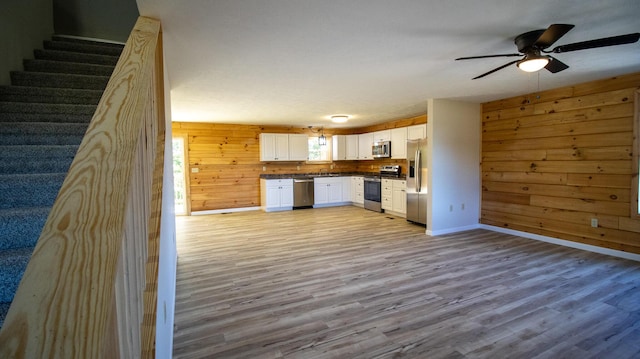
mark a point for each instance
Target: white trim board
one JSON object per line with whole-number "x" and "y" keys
{"x": 565, "y": 243}
{"x": 442, "y": 232}
{"x": 228, "y": 210}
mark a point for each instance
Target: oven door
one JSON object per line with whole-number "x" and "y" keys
{"x": 373, "y": 194}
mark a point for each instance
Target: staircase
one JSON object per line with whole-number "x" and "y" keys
{"x": 43, "y": 117}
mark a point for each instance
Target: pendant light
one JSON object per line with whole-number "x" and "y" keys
{"x": 322, "y": 141}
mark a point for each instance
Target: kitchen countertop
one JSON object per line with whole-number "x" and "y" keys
{"x": 325, "y": 174}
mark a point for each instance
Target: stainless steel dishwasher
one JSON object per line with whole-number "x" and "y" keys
{"x": 302, "y": 192}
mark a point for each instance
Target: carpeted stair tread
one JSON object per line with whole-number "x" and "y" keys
{"x": 30, "y": 107}
{"x": 57, "y": 55}
{"x": 36, "y": 159}
{"x": 67, "y": 67}
{"x": 13, "y": 263}
{"x": 47, "y": 79}
{"x": 44, "y": 117}
{"x": 87, "y": 41}
{"x": 41, "y": 133}
{"x": 34, "y": 94}
{"x": 29, "y": 190}
{"x": 21, "y": 227}
{"x": 82, "y": 48}
{"x": 4, "y": 309}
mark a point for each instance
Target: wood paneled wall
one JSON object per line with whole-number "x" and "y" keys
{"x": 553, "y": 161}
{"x": 227, "y": 157}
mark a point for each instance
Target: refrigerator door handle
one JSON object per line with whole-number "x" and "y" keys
{"x": 418, "y": 170}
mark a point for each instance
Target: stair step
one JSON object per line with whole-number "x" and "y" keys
{"x": 41, "y": 133}
{"x": 82, "y": 48}
{"x": 21, "y": 227}
{"x": 36, "y": 159}
{"x": 45, "y": 79}
{"x": 46, "y": 108}
{"x": 29, "y": 190}
{"x": 86, "y": 41}
{"x": 44, "y": 117}
{"x": 13, "y": 263}
{"x": 64, "y": 67}
{"x": 58, "y": 55}
{"x": 49, "y": 95}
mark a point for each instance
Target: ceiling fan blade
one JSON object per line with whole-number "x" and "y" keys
{"x": 591, "y": 44}
{"x": 486, "y": 56}
{"x": 552, "y": 34}
{"x": 496, "y": 69}
{"x": 556, "y": 65}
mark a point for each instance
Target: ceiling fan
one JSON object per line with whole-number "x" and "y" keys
{"x": 533, "y": 46}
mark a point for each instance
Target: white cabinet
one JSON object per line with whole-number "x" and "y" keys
{"x": 387, "y": 194}
{"x": 339, "y": 143}
{"x": 416, "y": 132}
{"x": 351, "y": 142}
{"x": 399, "y": 143}
{"x": 298, "y": 147}
{"x": 276, "y": 194}
{"x": 384, "y": 135}
{"x": 284, "y": 147}
{"x": 357, "y": 190}
{"x": 274, "y": 147}
{"x": 327, "y": 191}
{"x": 365, "y": 142}
{"x": 394, "y": 196}
{"x": 399, "y": 197}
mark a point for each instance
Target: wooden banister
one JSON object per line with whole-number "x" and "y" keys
{"x": 88, "y": 291}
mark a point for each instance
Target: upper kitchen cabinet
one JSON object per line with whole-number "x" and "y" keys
{"x": 339, "y": 143}
{"x": 399, "y": 143}
{"x": 352, "y": 147}
{"x": 283, "y": 147}
{"x": 365, "y": 142}
{"x": 298, "y": 147}
{"x": 274, "y": 147}
{"x": 384, "y": 135}
{"x": 416, "y": 132}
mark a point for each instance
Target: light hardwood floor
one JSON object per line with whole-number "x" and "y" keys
{"x": 344, "y": 282}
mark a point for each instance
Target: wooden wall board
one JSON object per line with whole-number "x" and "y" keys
{"x": 554, "y": 160}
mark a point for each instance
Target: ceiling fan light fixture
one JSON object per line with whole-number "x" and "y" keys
{"x": 339, "y": 118}
{"x": 533, "y": 63}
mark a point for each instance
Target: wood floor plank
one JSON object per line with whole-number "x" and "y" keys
{"x": 344, "y": 282}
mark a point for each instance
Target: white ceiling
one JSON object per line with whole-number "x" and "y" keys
{"x": 295, "y": 62}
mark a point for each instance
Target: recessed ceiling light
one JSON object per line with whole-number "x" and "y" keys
{"x": 339, "y": 118}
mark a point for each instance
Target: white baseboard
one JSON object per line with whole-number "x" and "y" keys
{"x": 229, "y": 210}
{"x": 563, "y": 242}
{"x": 452, "y": 230}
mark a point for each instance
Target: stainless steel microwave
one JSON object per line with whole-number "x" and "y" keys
{"x": 381, "y": 149}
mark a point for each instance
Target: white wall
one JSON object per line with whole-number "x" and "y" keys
{"x": 24, "y": 24}
{"x": 453, "y": 158}
{"x": 168, "y": 260}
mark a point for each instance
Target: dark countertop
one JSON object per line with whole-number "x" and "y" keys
{"x": 330, "y": 174}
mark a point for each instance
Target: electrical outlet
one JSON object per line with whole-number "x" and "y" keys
{"x": 594, "y": 222}
{"x": 462, "y": 207}
{"x": 450, "y": 208}
{"x": 195, "y": 170}
{"x": 298, "y": 168}
{"x": 264, "y": 168}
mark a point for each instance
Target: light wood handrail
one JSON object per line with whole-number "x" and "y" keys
{"x": 89, "y": 288}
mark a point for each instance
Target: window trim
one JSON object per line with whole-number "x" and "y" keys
{"x": 330, "y": 153}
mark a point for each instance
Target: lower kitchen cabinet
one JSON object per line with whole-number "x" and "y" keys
{"x": 276, "y": 194}
{"x": 394, "y": 196}
{"x": 327, "y": 191}
{"x": 357, "y": 190}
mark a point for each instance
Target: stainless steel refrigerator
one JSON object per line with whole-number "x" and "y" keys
{"x": 417, "y": 181}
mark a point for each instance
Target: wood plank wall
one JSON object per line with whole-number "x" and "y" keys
{"x": 227, "y": 157}
{"x": 552, "y": 161}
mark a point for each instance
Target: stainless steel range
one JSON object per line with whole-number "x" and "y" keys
{"x": 373, "y": 187}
